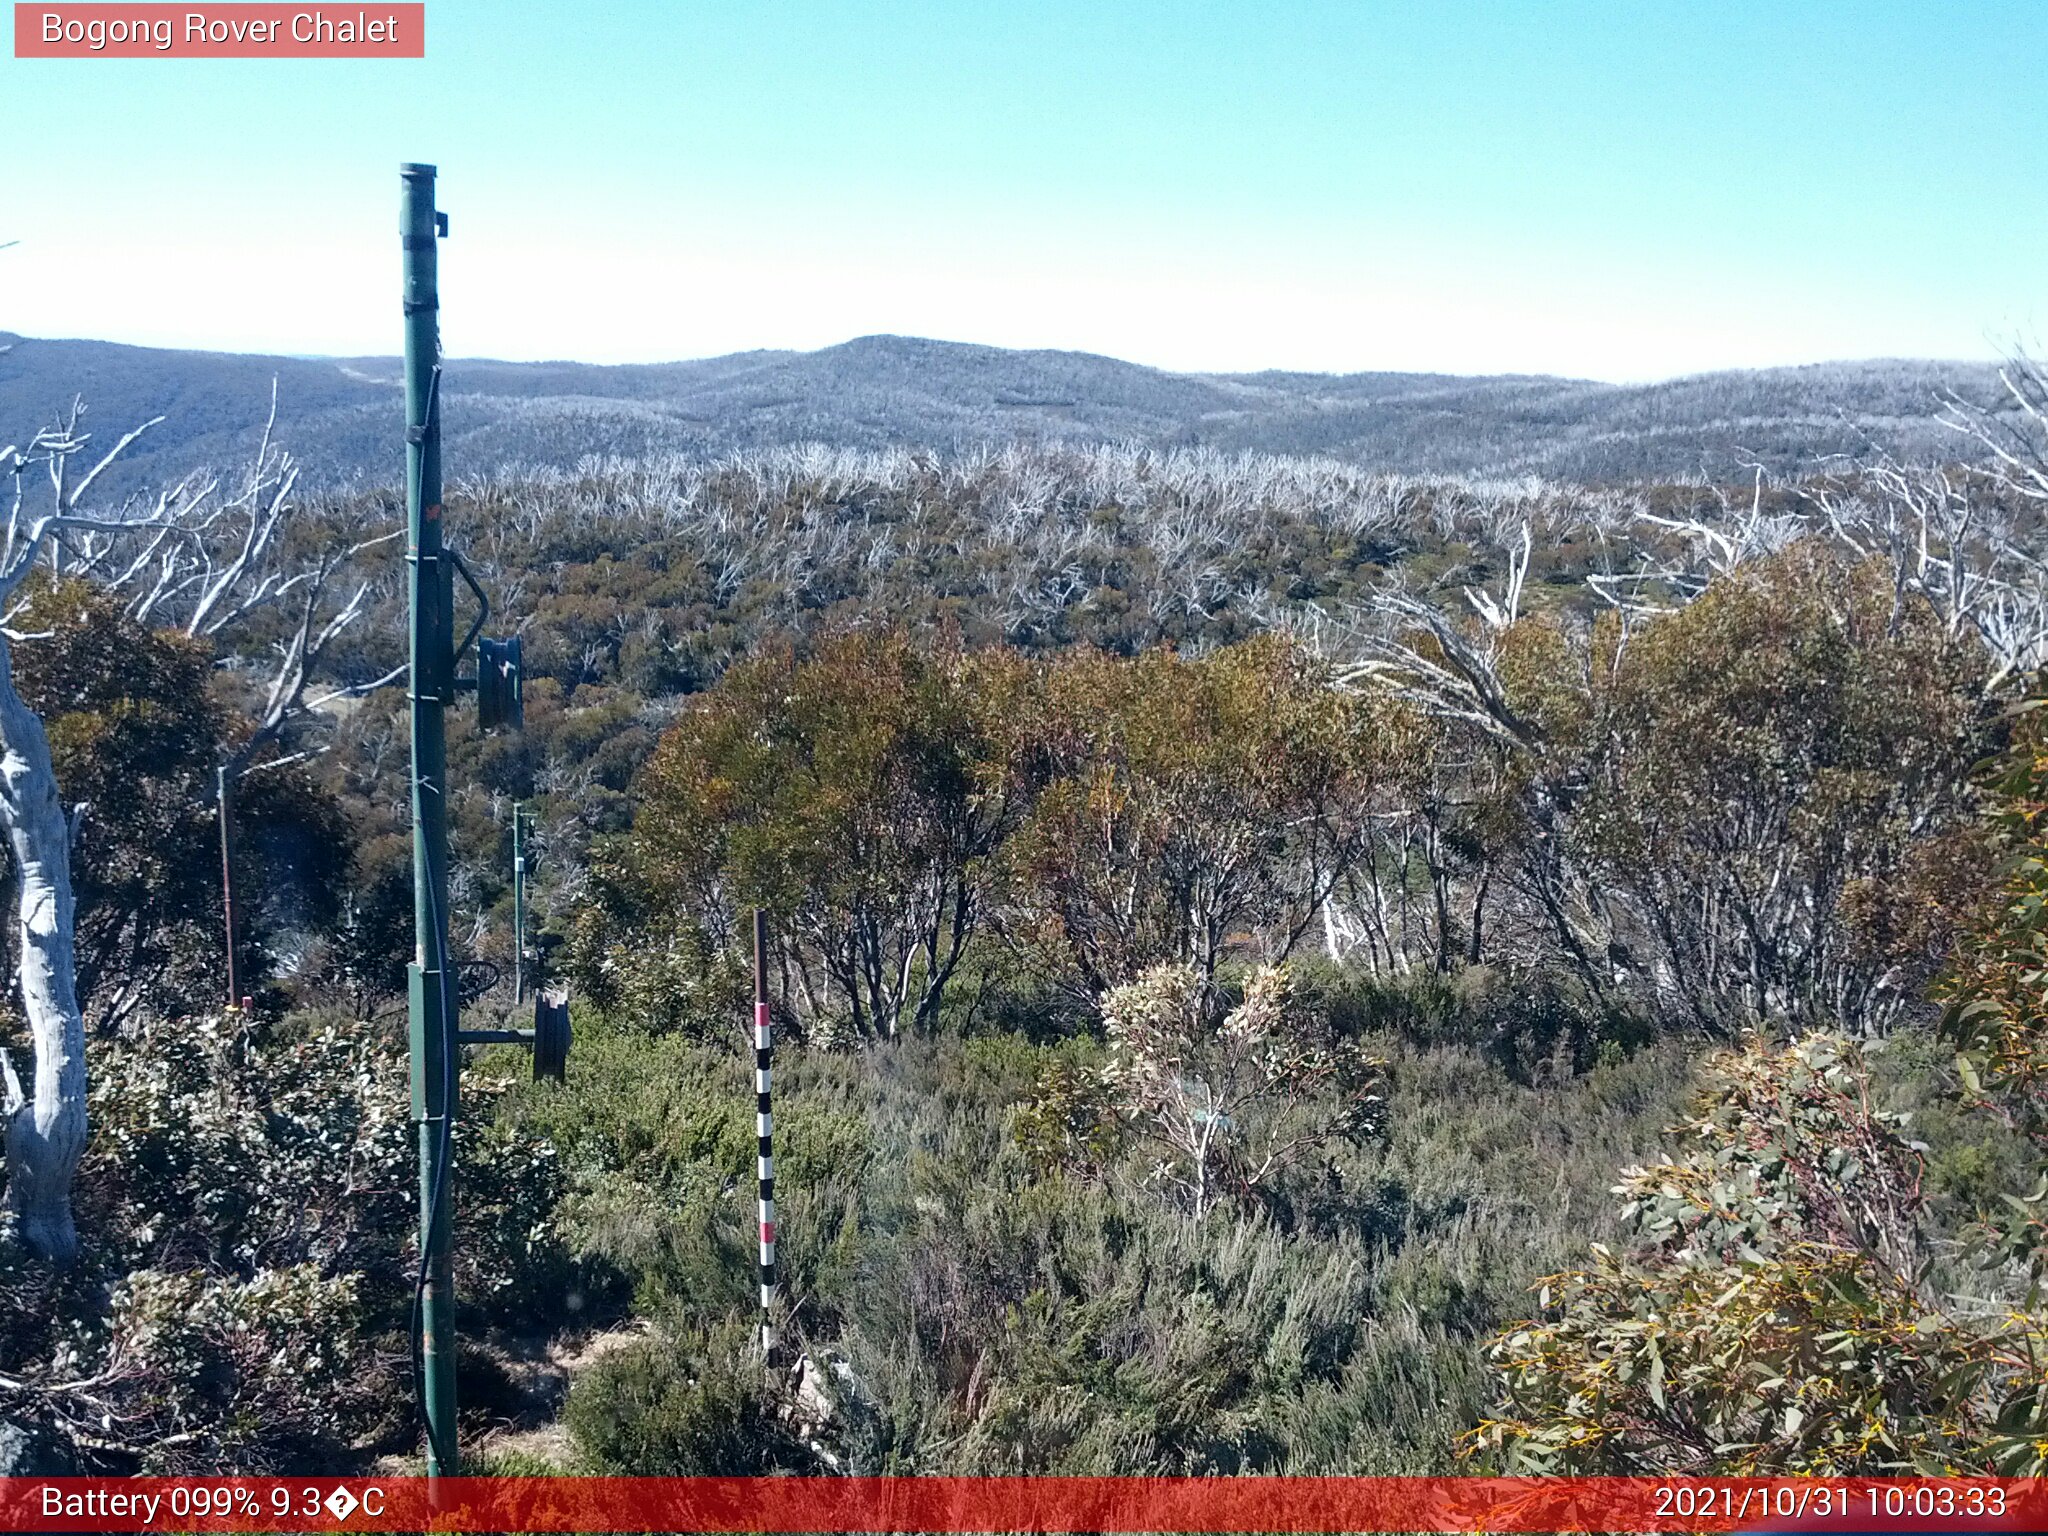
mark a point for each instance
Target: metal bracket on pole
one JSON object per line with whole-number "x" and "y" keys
{"x": 549, "y": 1037}
{"x": 483, "y": 602}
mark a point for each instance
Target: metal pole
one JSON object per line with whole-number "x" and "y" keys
{"x": 431, "y": 1014}
{"x": 764, "y": 1127}
{"x": 227, "y": 883}
{"x": 518, "y": 909}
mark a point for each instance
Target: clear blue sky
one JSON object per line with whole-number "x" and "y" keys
{"x": 1625, "y": 190}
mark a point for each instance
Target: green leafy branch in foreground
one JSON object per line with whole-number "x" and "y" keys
{"x": 1777, "y": 1313}
{"x": 1997, "y": 991}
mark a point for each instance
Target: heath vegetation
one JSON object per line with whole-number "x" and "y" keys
{"x": 1234, "y": 922}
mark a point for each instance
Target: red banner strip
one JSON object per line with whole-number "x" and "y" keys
{"x": 372, "y": 30}
{"x": 1049, "y": 1504}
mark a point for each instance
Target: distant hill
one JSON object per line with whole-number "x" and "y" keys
{"x": 342, "y": 416}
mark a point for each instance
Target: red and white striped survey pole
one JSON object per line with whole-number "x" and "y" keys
{"x": 764, "y": 1127}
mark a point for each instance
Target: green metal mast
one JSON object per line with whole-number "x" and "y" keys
{"x": 432, "y": 994}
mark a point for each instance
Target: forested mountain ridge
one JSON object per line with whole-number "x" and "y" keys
{"x": 341, "y": 414}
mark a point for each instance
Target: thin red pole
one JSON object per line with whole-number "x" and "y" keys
{"x": 227, "y": 885}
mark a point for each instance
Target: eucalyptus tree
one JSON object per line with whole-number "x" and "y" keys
{"x": 1192, "y": 808}
{"x": 1682, "y": 799}
{"x": 860, "y": 792}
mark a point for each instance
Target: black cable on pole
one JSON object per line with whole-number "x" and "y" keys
{"x": 443, "y": 1156}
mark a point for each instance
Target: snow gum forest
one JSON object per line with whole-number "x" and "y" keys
{"x": 1280, "y": 964}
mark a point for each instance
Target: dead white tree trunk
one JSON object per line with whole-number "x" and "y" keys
{"x": 46, "y": 1129}
{"x": 46, "y": 1126}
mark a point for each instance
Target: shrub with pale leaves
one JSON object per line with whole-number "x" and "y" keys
{"x": 1226, "y": 1099}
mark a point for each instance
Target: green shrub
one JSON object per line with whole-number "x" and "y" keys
{"x": 689, "y": 1405}
{"x": 219, "y": 1372}
{"x": 252, "y": 1192}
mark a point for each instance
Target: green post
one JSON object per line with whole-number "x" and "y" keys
{"x": 518, "y": 907}
{"x": 435, "y": 1058}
